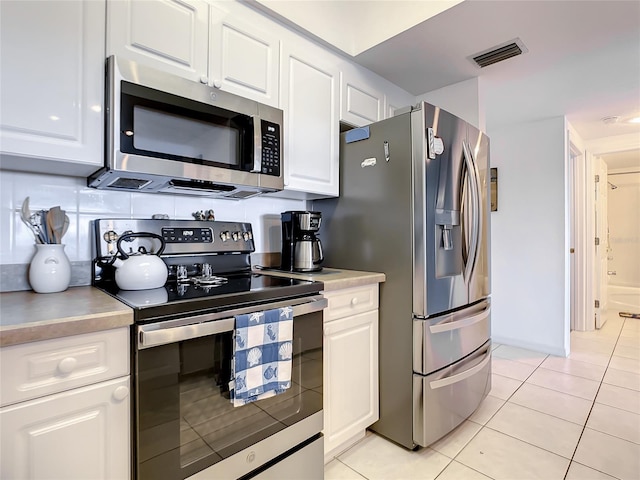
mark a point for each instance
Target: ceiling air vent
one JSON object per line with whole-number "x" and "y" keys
{"x": 499, "y": 53}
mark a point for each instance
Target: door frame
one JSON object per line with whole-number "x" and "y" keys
{"x": 595, "y": 148}
{"x": 577, "y": 236}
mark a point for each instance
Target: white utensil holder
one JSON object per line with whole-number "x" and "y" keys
{"x": 50, "y": 269}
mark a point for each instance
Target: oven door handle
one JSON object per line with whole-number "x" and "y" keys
{"x": 154, "y": 335}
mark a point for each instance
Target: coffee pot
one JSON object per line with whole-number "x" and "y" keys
{"x": 301, "y": 248}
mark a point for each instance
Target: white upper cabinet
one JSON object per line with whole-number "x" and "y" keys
{"x": 361, "y": 101}
{"x": 395, "y": 98}
{"x": 170, "y": 35}
{"x": 309, "y": 93}
{"x": 222, "y": 44}
{"x": 366, "y": 97}
{"x": 52, "y": 76}
{"x": 244, "y": 55}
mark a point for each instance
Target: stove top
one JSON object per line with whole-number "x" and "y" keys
{"x": 179, "y": 299}
{"x": 212, "y": 260}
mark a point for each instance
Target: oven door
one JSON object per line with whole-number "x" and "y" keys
{"x": 186, "y": 422}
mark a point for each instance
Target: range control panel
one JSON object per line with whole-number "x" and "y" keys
{"x": 191, "y": 237}
{"x": 187, "y": 235}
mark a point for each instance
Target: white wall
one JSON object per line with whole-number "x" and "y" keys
{"x": 529, "y": 236}
{"x": 84, "y": 204}
{"x": 463, "y": 99}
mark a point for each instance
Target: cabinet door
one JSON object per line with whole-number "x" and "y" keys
{"x": 395, "y": 98}
{"x": 361, "y": 102}
{"x": 350, "y": 377}
{"x": 170, "y": 35}
{"x": 244, "y": 59}
{"x": 52, "y": 75}
{"x": 78, "y": 434}
{"x": 309, "y": 98}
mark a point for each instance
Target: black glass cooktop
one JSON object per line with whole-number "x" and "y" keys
{"x": 192, "y": 297}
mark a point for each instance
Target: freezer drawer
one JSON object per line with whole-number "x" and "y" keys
{"x": 441, "y": 341}
{"x": 443, "y": 400}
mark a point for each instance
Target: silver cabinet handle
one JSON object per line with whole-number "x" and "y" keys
{"x": 611, "y": 272}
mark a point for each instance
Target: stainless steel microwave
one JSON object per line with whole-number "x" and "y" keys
{"x": 166, "y": 134}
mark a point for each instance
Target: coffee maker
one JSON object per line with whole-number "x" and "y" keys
{"x": 301, "y": 249}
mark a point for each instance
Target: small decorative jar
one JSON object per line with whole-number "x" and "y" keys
{"x": 50, "y": 269}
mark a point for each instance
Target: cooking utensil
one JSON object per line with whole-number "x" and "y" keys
{"x": 50, "y": 232}
{"x": 65, "y": 227}
{"x": 56, "y": 219}
{"x": 25, "y": 216}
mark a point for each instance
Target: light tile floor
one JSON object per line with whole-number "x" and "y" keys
{"x": 575, "y": 418}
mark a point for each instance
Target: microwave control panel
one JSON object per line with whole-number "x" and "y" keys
{"x": 270, "y": 148}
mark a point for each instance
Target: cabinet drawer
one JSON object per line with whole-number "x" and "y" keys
{"x": 351, "y": 301}
{"x": 35, "y": 369}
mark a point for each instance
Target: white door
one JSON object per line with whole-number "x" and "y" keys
{"x": 243, "y": 58}
{"x": 600, "y": 261}
{"x": 309, "y": 96}
{"x": 169, "y": 35}
{"x": 350, "y": 377}
{"x": 52, "y": 66}
{"x": 361, "y": 101}
{"x": 79, "y": 434}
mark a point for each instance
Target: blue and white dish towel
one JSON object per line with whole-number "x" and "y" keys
{"x": 263, "y": 350}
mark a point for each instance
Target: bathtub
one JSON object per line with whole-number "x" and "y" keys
{"x": 623, "y": 299}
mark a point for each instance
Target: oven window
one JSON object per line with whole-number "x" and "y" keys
{"x": 161, "y": 125}
{"x": 186, "y": 421}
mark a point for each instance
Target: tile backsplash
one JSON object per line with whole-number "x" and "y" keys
{"x": 84, "y": 204}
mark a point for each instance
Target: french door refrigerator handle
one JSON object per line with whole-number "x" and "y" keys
{"x": 479, "y": 210}
{"x": 444, "y": 382}
{"x": 475, "y": 207}
{"x": 448, "y": 326}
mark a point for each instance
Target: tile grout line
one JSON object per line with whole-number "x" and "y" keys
{"x": 584, "y": 427}
{"x": 482, "y": 427}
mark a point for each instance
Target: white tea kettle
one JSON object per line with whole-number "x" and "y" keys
{"x": 141, "y": 271}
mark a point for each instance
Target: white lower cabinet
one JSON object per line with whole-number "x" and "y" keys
{"x": 79, "y": 434}
{"x": 350, "y": 367}
{"x": 66, "y": 408}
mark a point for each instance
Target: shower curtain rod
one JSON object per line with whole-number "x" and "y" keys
{"x": 623, "y": 173}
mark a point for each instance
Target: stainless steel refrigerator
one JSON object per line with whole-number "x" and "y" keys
{"x": 414, "y": 204}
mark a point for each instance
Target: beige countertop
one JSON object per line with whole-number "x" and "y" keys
{"x": 28, "y": 316}
{"x": 333, "y": 279}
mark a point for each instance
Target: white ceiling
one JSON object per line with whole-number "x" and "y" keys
{"x": 583, "y": 58}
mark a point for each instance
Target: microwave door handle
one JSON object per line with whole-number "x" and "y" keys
{"x": 257, "y": 144}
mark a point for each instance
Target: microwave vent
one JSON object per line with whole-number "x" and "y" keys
{"x": 499, "y": 53}
{"x": 129, "y": 183}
